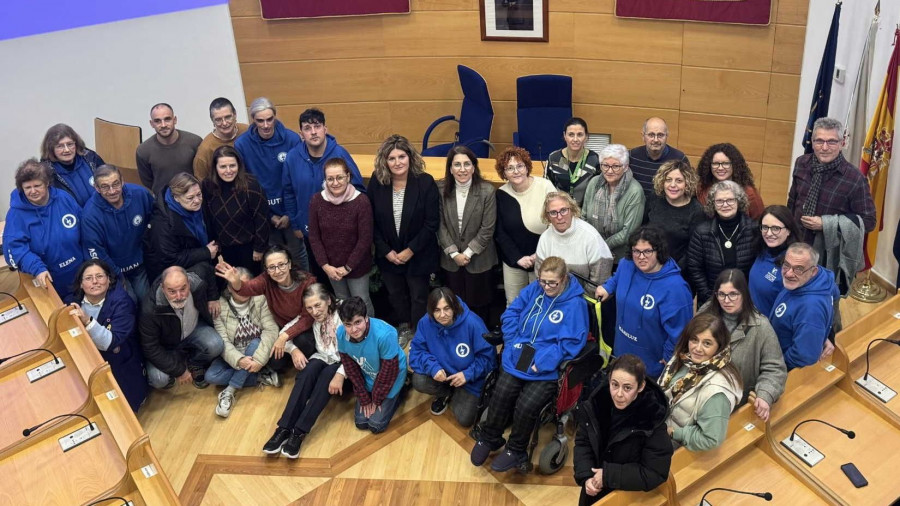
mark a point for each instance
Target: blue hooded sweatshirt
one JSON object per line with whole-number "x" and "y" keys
{"x": 802, "y": 318}
{"x": 556, "y": 327}
{"x": 765, "y": 282}
{"x": 114, "y": 235}
{"x": 457, "y": 347}
{"x": 303, "y": 178}
{"x": 44, "y": 238}
{"x": 265, "y": 160}
{"x": 651, "y": 311}
{"x": 78, "y": 177}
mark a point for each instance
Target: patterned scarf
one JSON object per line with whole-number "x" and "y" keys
{"x": 246, "y": 330}
{"x": 605, "y": 216}
{"x": 695, "y": 373}
{"x": 819, "y": 170}
{"x": 329, "y": 333}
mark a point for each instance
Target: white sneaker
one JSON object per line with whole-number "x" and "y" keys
{"x": 226, "y": 401}
{"x": 269, "y": 377}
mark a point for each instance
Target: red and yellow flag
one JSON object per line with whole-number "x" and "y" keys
{"x": 877, "y": 148}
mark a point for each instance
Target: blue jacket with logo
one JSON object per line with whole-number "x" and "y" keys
{"x": 45, "y": 238}
{"x": 303, "y": 178}
{"x": 651, "y": 311}
{"x": 114, "y": 235}
{"x": 765, "y": 282}
{"x": 79, "y": 180}
{"x": 457, "y": 347}
{"x": 265, "y": 160}
{"x": 802, "y": 318}
{"x": 556, "y": 327}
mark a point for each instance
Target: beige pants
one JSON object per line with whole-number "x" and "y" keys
{"x": 514, "y": 280}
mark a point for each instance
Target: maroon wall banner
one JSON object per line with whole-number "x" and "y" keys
{"x": 285, "y": 9}
{"x": 748, "y": 12}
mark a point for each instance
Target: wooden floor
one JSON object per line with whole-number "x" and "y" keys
{"x": 421, "y": 459}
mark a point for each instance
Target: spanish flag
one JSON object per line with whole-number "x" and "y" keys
{"x": 876, "y": 157}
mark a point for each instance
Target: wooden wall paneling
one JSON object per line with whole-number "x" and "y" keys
{"x": 779, "y": 142}
{"x": 738, "y": 47}
{"x": 444, "y": 5}
{"x": 358, "y": 122}
{"x": 240, "y": 8}
{"x": 625, "y": 123}
{"x": 734, "y": 92}
{"x": 595, "y": 6}
{"x": 775, "y": 182}
{"x": 607, "y": 37}
{"x": 367, "y": 148}
{"x": 699, "y": 131}
{"x": 259, "y": 40}
{"x": 788, "y": 51}
{"x": 791, "y": 12}
{"x": 647, "y": 85}
{"x": 783, "y": 95}
{"x": 505, "y": 123}
{"x": 756, "y": 168}
{"x": 294, "y": 83}
{"x": 412, "y": 118}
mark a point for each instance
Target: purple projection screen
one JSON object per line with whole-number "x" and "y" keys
{"x": 21, "y": 18}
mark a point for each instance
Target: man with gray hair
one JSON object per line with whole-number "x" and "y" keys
{"x": 176, "y": 330}
{"x": 826, "y": 184}
{"x": 648, "y": 158}
{"x": 166, "y": 153}
{"x": 803, "y": 313}
{"x": 264, "y": 149}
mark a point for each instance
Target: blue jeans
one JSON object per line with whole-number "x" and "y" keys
{"x": 221, "y": 373}
{"x": 137, "y": 285}
{"x": 380, "y": 419}
{"x": 200, "y": 348}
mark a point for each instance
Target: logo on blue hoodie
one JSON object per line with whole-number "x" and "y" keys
{"x": 779, "y": 311}
{"x": 555, "y": 316}
{"x": 137, "y": 220}
{"x": 647, "y": 301}
{"x": 462, "y": 350}
{"x": 69, "y": 220}
{"x": 282, "y": 156}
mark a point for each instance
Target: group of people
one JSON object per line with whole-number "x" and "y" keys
{"x": 249, "y": 252}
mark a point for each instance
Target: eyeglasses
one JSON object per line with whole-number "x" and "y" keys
{"x": 335, "y": 179}
{"x": 465, "y": 165}
{"x": 720, "y": 165}
{"x": 562, "y": 212}
{"x": 724, "y": 202}
{"x": 611, "y": 168}
{"x": 106, "y": 188}
{"x": 98, "y": 277}
{"x": 283, "y": 266}
{"x": 548, "y": 284}
{"x": 510, "y": 169}
{"x": 774, "y": 229}
{"x": 65, "y": 145}
{"x": 730, "y": 296}
{"x": 642, "y": 253}
{"x": 223, "y": 119}
{"x": 798, "y": 270}
{"x": 651, "y": 135}
{"x": 831, "y": 142}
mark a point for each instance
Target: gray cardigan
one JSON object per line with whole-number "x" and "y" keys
{"x": 630, "y": 209}
{"x": 478, "y": 222}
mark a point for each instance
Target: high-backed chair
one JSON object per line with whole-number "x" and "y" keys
{"x": 475, "y": 118}
{"x": 544, "y": 105}
{"x": 116, "y": 144}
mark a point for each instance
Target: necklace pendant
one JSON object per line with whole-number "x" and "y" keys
{"x": 728, "y": 244}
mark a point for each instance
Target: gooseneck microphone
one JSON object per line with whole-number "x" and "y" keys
{"x": 873, "y": 341}
{"x": 850, "y": 434}
{"x": 762, "y": 495}
{"x": 55, "y": 358}
{"x": 19, "y": 304}
{"x": 112, "y": 498}
{"x": 27, "y": 432}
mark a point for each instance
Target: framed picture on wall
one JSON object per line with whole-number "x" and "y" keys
{"x": 514, "y": 20}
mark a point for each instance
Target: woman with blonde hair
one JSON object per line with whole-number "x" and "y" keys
{"x": 674, "y": 207}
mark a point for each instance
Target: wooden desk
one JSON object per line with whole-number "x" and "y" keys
{"x": 26, "y": 332}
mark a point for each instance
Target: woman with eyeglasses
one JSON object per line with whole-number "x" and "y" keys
{"x": 73, "y": 163}
{"x": 777, "y": 231}
{"x": 406, "y": 208}
{"x": 724, "y": 162}
{"x": 702, "y": 385}
{"x": 725, "y": 241}
{"x": 340, "y": 233}
{"x": 519, "y": 218}
{"x": 237, "y": 209}
{"x": 109, "y": 316}
{"x": 614, "y": 205}
{"x": 572, "y": 239}
{"x": 572, "y": 167}
{"x": 755, "y": 350}
{"x": 655, "y": 302}
{"x": 283, "y": 285}
{"x": 545, "y": 325}
{"x": 466, "y": 235}
{"x": 674, "y": 207}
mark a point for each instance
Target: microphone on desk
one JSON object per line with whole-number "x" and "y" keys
{"x": 112, "y": 498}
{"x": 873, "y": 341}
{"x": 27, "y": 432}
{"x": 850, "y": 434}
{"x": 55, "y": 358}
{"x": 762, "y": 495}
{"x": 19, "y": 304}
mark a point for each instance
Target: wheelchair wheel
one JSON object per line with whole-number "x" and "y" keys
{"x": 553, "y": 456}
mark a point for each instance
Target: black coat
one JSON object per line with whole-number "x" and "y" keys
{"x": 706, "y": 260}
{"x": 168, "y": 242}
{"x": 160, "y": 327}
{"x": 635, "y": 456}
{"x": 419, "y": 223}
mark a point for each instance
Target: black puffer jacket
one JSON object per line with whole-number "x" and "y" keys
{"x": 168, "y": 242}
{"x": 706, "y": 260}
{"x": 636, "y": 455}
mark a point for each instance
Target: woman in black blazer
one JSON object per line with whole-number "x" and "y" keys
{"x": 406, "y": 208}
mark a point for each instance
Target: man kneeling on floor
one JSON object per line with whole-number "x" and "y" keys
{"x": 374, "y": 364}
